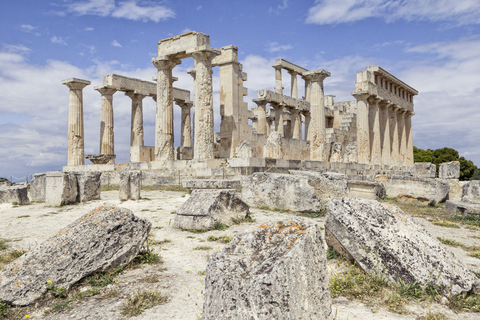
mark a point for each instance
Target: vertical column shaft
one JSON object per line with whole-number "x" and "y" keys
{"x": 402, "y": 136}
{"x": 261, "y": 116}
{"x": 307, "y": 125}
{"x": 409, "y": 139}
{"x": 136, "y": 128}
{"x": 363, "y": 128}
{"x": 374, "y": 130}
{"x": 385, "y": 133}
{"x": 297, "y": 125}
{"x": 395, "y": 156}
{"x": 294, "y": 89}
{"x": 186, "y": 134}
{"x": 278, "y": 80}
{"x": 107, "y": 143}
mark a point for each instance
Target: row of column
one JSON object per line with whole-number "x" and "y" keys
{"x": 384, "y": 132}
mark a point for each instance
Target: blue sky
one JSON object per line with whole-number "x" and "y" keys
{"x": 434, "y": 46}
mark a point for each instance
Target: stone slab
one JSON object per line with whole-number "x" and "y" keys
{"x": 419, "y": 201}
{"x": 461, "y": 208}
{"x": 433, "y": 189}
{"x": 89, "y": 185}
{"x": 366, "y": 190}
{"x": 14, "y": 194}
{"x": 424, "y": 170}
{"x": 449, "y": 170}
{"x": 61, "y": 188}
{"x": 37, "y": 187}
{"x": 471, "y": 192}
{"x": 211, "y": 184}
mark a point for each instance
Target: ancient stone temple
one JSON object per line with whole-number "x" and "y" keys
{"x": 286, "y": 130}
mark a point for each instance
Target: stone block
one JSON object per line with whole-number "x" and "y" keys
{"x": 275, "y": 271}
{"x": 103, "y": 239}
{"x": 178, "y": 45}
{"x": 419, "y": 201}
{"x": 449, "y": 170}
{"x": 206, "y": 207}
{"x": 461, "y": 208}
{"x": 424, "y": 170}
{"x": 301, "y": 191}
{"x": 135, "y": 184}
{"x": 37, "y": 187}
{"x": 471, "y": 192}
{"x": 11, "y": 194}
{"x": 61, "y": 188}
{"x": 89, "y": 185}
{"x": 456, "y": 189}
{"x": 433, "y": 189}
{"x": 211, "y": 184}
{"x": 383, "y": 240}
{"x": 184, "y": 153}
{"x": 129, "y": 185}
{"x": 366, "y": 190}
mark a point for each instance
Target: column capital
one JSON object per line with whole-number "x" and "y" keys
{"x": 184, "y": 104}
{"x": 277, "y": 67}
{"x": 410, "y": 113}
{"x": 393, "y": 107}
{"x": 74, "y": 83}
{"x": 135, "y": 96}
{"x": 374, "y": 99}
{"x": 292, "y": 73}
{"x": 385, "y": 104}
{"x": 401, "y": 111}
{"x": 316, "y": 75}
{"x": 161, "y": 63}
{"x": 105, "y": 90}
{"x": 192, "y": 72}
{"x": 205, "y": 54}
{"x": 361, "y": 95}
{"x": 260, "y": 102}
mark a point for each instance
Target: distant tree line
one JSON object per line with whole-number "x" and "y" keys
{"x": 468, "y": 171}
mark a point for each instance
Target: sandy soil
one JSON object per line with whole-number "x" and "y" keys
{"x": 181, "y": 274}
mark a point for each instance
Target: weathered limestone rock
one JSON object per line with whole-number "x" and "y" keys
{"x": 424, "y": 170}
{"x": 366, "y": 190}
{"x": 135, "y": 184}
{"x": 456, "y": 189}
{"x": 419, "y": 201}
{"x": 61, "y": 188}
{"x": 37, "y": 187}
{"x": 276, "y": 271}
{"x": 13, "y": 194}
{"x": 458, "y": 207}
{"x": 205, "y": 207}
{"x": 383, "y": 240}
{"x": 471, "y": 192}
{"x": 102, "y": 239}
{"x": 89, "y": 184}
{"x": 100, "y": 158}
{"x": 129, "y": 185}
{"x": 211, "y": 184}
{"x": 449, "y": 170}
{"x": 301, "y": 191}
{"x": 336, "y": 154}
{"x": 433, "y": 189}
{"x": 351, "y": 153}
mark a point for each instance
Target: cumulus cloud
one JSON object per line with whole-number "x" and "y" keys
{"x": 129, "y": 9}
{"x": 58, "y": 40}
{"x": 29, "y": 29}
{"x": 89, "y": 29}
{"x": 116, "y": 44}
{"x": 16, "y": 48}
{"x": 275, "y": 47}
{"x": 344, "y": 11}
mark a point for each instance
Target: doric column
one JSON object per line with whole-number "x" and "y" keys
{"x": 294, "y": 89}
{"x": 363, "y": 128}
{"x": 192, "y": 72}
{"x": 297, "y": 124}
{"x": 107, "y": 144}
{"x": 75, "y": 121}
{"x": 287, "y": 125}
{"x": 164, "y": 118}
{"x": 385, "y": 132}
{"x": 307, "y": 125}
{"x": 402, "y": 136}
{"x": 278, "y": 79}
{"x": 136, "y": 128}
{"x": 374, "y": 130}
{"x": 261, "y": 116}
{"x": 204, "y": 136}
{"x": 408, "y": 129}
{"x": 317, "y": 132}
{"x": 186, "y": 135}
{"x": 395, "y": 156}
{"x": 307, "y": 88}
{"x": 279, "y": 119}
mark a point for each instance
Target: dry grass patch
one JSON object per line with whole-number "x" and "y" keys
{"x": 135, "y": 304}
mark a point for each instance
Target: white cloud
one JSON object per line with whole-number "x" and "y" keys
{"x": 58, "y": 40}
{"x": 30, "y": 29}
{"x": 280, "y": 7}
{"x": 116, "y": 44}
{"x": 186, "y": 30}
{"x": 342, "y": 11}
{"x": 16, "y": 48}
{"x": 89, "y": 29}
{"x": 275, "y": 47}
{"x": 128, "y": 9}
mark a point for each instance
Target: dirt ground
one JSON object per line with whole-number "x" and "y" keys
{"x": 181, "y": 275}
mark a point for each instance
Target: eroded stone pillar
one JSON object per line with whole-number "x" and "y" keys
{"x": 363, "y": 128}
{"x": 402, "y": 136}
{"x": 279, "y": 118}
{"x": 186, "y": 134}
{"x": 204, "y": 135}
{"x": 278, "y": 80}
{"x": 297, "y": 124}
{"x": 374, "y": 130}
{"x": 107, "y": 142}
{"x": 75, "y": 121}
{"x": 385, "y": 133}
{"x": 395, "y": 155}
{"x": 261, "y": 116}
{"x": 307, "y": 125}
{"x": 317, "y": 132}
{"x": 408, "y": 129}
{"x": 307, "y": 88}
{"x": 294, "y": 89}
{"x": 136, "y": 128}
{"x": 164, "y": 118}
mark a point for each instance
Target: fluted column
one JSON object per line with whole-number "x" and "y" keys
{"x": 363, "y": 128}
{"x": 297, "y": 124}
{"x": 164, "y": 118}
{"x": 385, "y": 133}
{"x": 395, "y": 156}
{"x": 75, "y": 121}
{"x": 374, "y": 130}
{"x": 107, "y": 142}
{"x": 294, "y": 89}
{"x": 402, "y": 136}
{"x": 307, "y": 125}
{"x": 192, "y": 72}
{"x": 307, "y": 88}
{"x": 136, "y": 127}
{"x": 408, "y": 129}
{"x": 204, "y": 134}
{"x": 317, "y": 131}
{"x": 279, "y": 119}
{"x": 261, "y": 116}
{"x": 186, "y": 134}
{"x": 278, "y": 80}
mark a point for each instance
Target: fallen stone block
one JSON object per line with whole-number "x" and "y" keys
{"x": 419, "y": 201}
{"x": 211, "y": 184}
{"x": 135, "y": 184}
{"x": 456, "y": 189}
{"x": 471, "y": 192}
{"x": 301, "y": 191}
{"x": 61, "y": 188}
{"x": 14, "y": 194}
{"x": 461, "y": 208}
{"x": 383, "y": 240}
{"x": 433, "y": 189}
{"x": 100, "y": 240}
{"x": 449, "y": 170}
{"x": 366, "y": 190}
{"x": 423, "y": 170}
{"x": 205, "y": 207}
{"x": 278, "y": 270}
{"x": 38, "y": 187}
{"x": 129, "y": 185}
{"x": 89, "y": 185}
